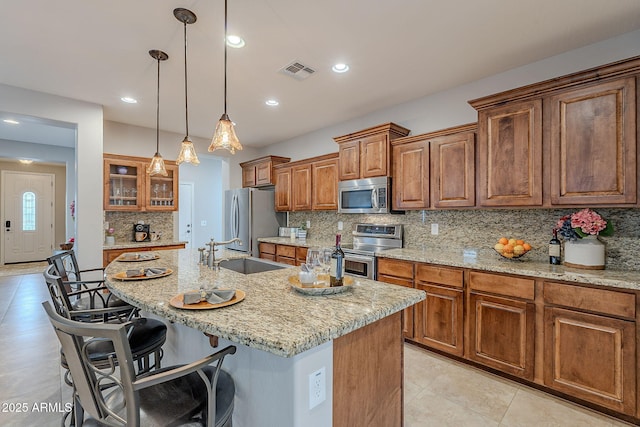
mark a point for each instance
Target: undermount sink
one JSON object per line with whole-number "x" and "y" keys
{"x": 251, "y": 265}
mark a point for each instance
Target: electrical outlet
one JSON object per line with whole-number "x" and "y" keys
{"x": 434, "y": 229}
{"x": 340, "y": 225}
{"x": 308, "y": 224}
{"x": 317, "y": 387}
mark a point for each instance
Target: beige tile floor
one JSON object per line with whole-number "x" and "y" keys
{"x": 439, "y": 392}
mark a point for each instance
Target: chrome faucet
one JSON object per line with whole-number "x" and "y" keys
{"x": 211, "y": 259}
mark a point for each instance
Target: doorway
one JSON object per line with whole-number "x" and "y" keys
{"x": 27, "y": 213}
{"x": 185, "y": 213}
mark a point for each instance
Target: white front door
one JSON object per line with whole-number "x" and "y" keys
{"x": 185, "y": 213}
{"x": 27, "y": 216}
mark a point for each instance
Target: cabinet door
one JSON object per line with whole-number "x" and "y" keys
{"x": 325, "y": 185}
{"x": 591, "y": 357}
{"x": 502, "y": 334}
{"x": 398, "y": 273}
{"x": 374, "y": 158}
{"x": 248, "y": 176}
{"x": 439, "y": 321}
{"x": 123, "y": 184}
{"x": 301, "y": 188}
{"x": 411, "y": 175}
{"x": 510, "y": 154}
{"x": 593, "y": 144}
{"x": 349, "y": 155}
{"x": 283, "y": 190}
{"x": 161, "y": 192}
{"x": 453, "y": 172}
{"x": 263, "y": 173}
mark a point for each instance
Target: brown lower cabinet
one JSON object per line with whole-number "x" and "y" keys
{"x": 439, "y": 318}
{"x": 400, "y": 273}
{"x": 502, "y": 322}
{"x": 576, "y": 339}
{"x": 286, "y": 254}
{"x": 591, "y": 355}
{"x": 108, "y": 255}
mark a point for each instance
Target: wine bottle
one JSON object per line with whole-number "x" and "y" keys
{"x": 336, "y": 274}
{"x": 554, "y": 249}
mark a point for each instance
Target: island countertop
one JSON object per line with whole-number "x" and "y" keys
{"x": 273, "y": 317}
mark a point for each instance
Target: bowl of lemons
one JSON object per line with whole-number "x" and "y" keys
{"x": 512, "y": 248}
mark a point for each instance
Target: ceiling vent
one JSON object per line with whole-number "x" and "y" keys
{"x": 297, "y": 70}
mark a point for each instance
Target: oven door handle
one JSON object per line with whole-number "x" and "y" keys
{"x": 363, "y": 258}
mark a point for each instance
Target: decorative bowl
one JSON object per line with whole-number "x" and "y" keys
{"x": 512, "y": 248}
{"x": 66, "y": 246}
{"x": 510, "y": 255}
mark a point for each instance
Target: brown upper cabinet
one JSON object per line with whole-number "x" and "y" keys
{"x": 128, "y": 186}
{"x": 309, "y": 184}
{"x": 435, "y": 169}
{"x": 367, "y": 153}
{"x": 568, "y": 141}
{"x": 593, "y": 143}
{"x": 259, "y": 172}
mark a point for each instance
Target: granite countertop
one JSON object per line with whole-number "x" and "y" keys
{"x": 306, "y": 243}
{"x": 489, "y": 260}
{"x": 273, "y": 317}
{"x": 151, "y": 244}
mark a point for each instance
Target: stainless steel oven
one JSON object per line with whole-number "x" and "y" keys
{"x": 368, "y": 239}
{"x": 360, "y": 265}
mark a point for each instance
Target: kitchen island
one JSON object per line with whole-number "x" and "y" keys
{"x": 284, "y": 338}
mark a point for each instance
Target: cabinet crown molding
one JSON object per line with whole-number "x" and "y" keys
{"x": 394, "y": 131}
{"x": 621, "y": 68}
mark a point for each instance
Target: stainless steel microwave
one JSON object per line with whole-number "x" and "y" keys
{"x": 369, "y": 195}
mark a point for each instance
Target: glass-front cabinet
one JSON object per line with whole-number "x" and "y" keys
{"x": 128, "y": 187}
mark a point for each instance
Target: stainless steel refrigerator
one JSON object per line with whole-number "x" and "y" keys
{"x": 249, "y": 214}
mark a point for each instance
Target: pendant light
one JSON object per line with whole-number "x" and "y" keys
{"x": 156, "y": 167}
{"x": 187, "y": 150}
{"x": 224, "y": 135}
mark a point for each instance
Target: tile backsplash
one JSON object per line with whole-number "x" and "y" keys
{"x": 480, "y": 229}
{"x": 122, "y": 223}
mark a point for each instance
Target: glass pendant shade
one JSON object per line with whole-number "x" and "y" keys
{"x": 225, "y": 136}
{"x": 156, "y": 167}
{"x": 187, "y": 150}
{"x": 187, "y": 153}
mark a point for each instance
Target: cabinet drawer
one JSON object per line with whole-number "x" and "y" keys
{"x": 396, "y": 268}
{"x": 517, "y": 287}
{"x": 267, "y": 248}
{"x": 301, "y": 254}
{"x": 286, "y": 251}
{"x": 439, "y": 275}
{"x": 603, "y": 301}
{"x": 285, "y": 260}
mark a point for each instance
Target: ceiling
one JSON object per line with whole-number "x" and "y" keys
{"x": 96, "y": 51}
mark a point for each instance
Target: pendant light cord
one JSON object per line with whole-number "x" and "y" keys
{"x": 186, "y": 106}
{"x": 158, "y": 111}
{"x": 225, "y": 57}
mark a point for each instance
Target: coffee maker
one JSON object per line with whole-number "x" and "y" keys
{"x": 141, "y": 233}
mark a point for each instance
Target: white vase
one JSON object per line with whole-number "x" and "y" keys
{"x": 587, "y": 252}
{"x": 110, "y": 240}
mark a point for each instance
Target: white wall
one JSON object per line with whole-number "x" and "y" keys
{"x": 450, "y": 108}
{"x": 88, "y": 119}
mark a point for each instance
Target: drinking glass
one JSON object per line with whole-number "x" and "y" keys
{"x": 325, "y": 260}
{"x": 313, "y": 258}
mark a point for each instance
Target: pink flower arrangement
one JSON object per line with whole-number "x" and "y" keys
{"x": 110, "y": 231}
{"x": 583, "y": 223}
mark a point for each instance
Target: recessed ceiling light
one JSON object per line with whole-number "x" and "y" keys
{"x": 129, "y": 100}
{"x": 340, "y": 68}
{"x": 271, "y": 102}
{"x": 235, "y": 41}
{"x": 11, "y": 121}
{"x": 25, "y": 161}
